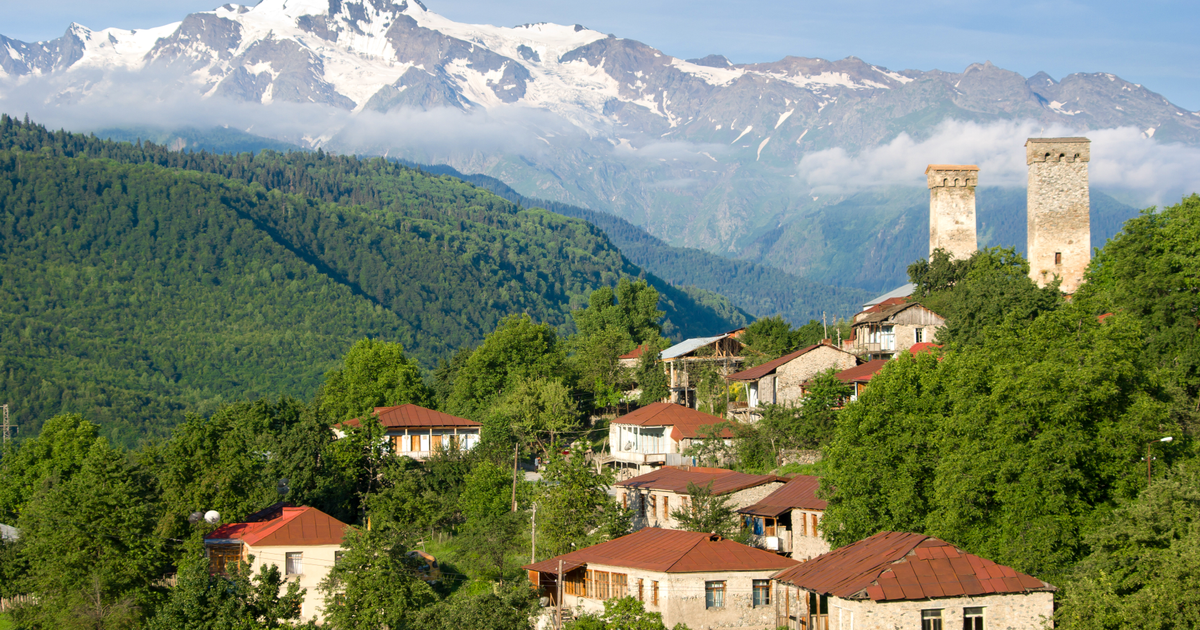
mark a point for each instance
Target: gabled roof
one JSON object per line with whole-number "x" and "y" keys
{"x": 669, "y": 551}
{"x": 636, "y": 353}
{"x": 676, "y": 479}
{"x": 900, "y": 292}
{"x": 799, "y": 493}
{"x": 685, "y": 420}
{"x": 409, "y": 416}
{"x": 689, "y": 345}
{"x": 283, "y": 526}
{"x": 861, "y": 373}
{"x": 887, "y": 313}
{"x": 893, "y": 566}
{"x": 757, "y": 372}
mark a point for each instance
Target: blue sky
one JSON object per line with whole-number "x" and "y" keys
{"x": 1152, "y": 42}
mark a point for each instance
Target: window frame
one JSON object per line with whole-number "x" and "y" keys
{"x": 714, "y": 594}
{"x": 760, "y": 593}
{"x": 929, "y": 621}
{"x": 974, "y": 617}
{"x": 293, "y": 560}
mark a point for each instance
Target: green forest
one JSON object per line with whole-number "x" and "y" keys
{"x": 142, "y": 283}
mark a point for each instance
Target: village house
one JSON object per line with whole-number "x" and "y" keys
{"x": 654, "y": 495}
{"x": 303, "y": 542}
{"x": 899, "y": 580}
{"x": 417, "y": 432}
{"x": 786, "y": 521}
{"x": 656, "y": 435}
{"x": 886, "y": 329}
{"x": 630, "y": 359}
{"x": 858, "y": 377}
{"x": 780, "y": 382}
{"x": 682, "y": 360}
{"x": 698, "y": 579}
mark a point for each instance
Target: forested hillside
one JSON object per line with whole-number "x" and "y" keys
{"x": 759, "y": 289}
{"x": 140, "y": 283}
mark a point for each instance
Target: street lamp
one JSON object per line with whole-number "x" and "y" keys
{"x": 1148, "y": 445}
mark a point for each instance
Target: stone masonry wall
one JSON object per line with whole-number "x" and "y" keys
{"x": 1001, "y": 612}
{"x": 655, "y": 516}
{"x": 1058, "y": 208}
{"x": 952, "y": 208}
{"x": 791, "y": 375}
{"x": 806, "y": 546}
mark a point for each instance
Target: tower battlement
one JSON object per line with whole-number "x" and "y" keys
{"x": 1058, "y": 210}
{"x": 952, "y": 208}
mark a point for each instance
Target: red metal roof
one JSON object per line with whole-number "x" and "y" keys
{"x": 800, "y": 492}
{"x": 287, "y": 526}
{"x": 757, "y": 372}
{"x": 687, "y": 420}
{"x": 410, "y": 415}
{"x": 898, "y": 566}
{"x": 635, "y": 353}
{"x": 861, "y": 373}
{"x": 924, "y": 346}
{"x": 676, "y": 479}
{"x": 669, "y": 551}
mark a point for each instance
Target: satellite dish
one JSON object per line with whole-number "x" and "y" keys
{"x": 282, "y": 486}
{"x": 195, "y": 517}
{"x": 212, "y": 517}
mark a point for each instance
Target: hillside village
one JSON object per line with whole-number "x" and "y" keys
{"x": 961, "y": 452}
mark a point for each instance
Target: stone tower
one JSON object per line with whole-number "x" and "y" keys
{"x": 1058, "y": 210}
{"x": 952, "y": 208}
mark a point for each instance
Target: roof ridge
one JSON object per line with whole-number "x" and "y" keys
{"x": 702, "y": 537}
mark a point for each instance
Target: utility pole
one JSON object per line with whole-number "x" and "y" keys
{"x": 824, "y": 326}
{"x": 559, "y": 603}
{"x": 6, "y": 428}
{"x": 514, "y": 492}
{"x": 533, "y": 537}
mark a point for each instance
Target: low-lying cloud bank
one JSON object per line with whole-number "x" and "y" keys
{"x": 1122, "y": 159}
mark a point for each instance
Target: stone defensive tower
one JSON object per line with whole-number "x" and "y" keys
{"x": 952, "y": 208}
{"x": 1058, "y": 210}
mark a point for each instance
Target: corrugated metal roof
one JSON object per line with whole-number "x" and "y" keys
{"x": 410, "y": 415}
{"x": 9, "y": 533}
{"x": 757, "y": 372}
{"x": 901, "y": 292}
{"x": 884, "y": 314}
{"x": 687, "y": 420}
{"x": 899, "y": 566}
{"x": 286, "y": 526}
{"x": 670, "y": 551}
{"x": 689, "y": 345}
{"x": 676, "y": 479}
{"x": 861, "y": 373}
{"x": 800, "y": 492}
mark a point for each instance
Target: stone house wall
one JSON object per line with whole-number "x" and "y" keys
{"x": 654, "y": 514}
{"x": 1028, "y": 611}
{"x": 681, "y": 598}
{"x": 791, "y": 375}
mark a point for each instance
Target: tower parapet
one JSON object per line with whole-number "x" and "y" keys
{"x": 1058, "y": 210}
{"x": 952, "y": 208}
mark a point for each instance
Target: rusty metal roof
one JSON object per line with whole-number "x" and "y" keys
{"x": 687, "y": 420}
{"x": 924, "y": 346}
{"x": 676, "y": 479}
{"x": 669, "y": 551}
{"x": 799, "y": 493}
{"x": 410, "y": 415}
{"x": 861, "y": 373}
{"x": 757, "y": 372}
{"x": 893, "y": 566}
{"x": 636, "y": 353}
{"x": 286, "y": 526}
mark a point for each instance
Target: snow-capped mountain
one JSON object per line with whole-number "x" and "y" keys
{"x": 701, "y": 152}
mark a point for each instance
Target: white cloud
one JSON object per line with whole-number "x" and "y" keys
{"x": 1122, "y": 159}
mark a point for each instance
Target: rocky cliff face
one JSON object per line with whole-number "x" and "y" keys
{"x": 701, "y": 152}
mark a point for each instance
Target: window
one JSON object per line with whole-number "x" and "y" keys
{"x": 919, "y": 335}
{"x": 620, "y": 586}
{"x": 762, "y": 593}
{"x": 803, "y": 524}
{"x": 641, "y": 593}
{"x": 293, "y": 563}
{"x": 654, "y": 592}
{"x": 714, "y": 594}
{"x": 600, "y": 582}
{"x": 818, "y": 611}
{"x": 653, "y": 506}
{"x": 973, "y": 618}
{"x": 1058, "y": 258}
{"x": 625, "y": 499}
{"x": 758, "y": 526}
{"x": 931, "y": 619}
{"x": 666, "y": 507}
